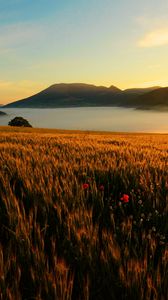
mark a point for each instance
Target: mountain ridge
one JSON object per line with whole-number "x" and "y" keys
{"x": 85, "y": 95}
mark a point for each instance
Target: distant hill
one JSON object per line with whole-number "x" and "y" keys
{"x": 156, "y": 99}
{"x": 141, "y": 91}
{"x": 2, "y": 113}
{"x": 85, "y": 95}
{"x": 69, "y": 95}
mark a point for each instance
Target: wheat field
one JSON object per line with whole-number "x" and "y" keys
{"x": 83, "y": 215}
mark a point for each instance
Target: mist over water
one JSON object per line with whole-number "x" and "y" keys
{"x": 92, "y": 118}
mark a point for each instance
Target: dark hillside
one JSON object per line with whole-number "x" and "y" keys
{"x": 85, "y": 95}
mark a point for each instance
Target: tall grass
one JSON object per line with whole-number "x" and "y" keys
{"x": 66, "y": 233}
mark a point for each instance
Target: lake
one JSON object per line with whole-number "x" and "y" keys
{"x": 92, "y": 118}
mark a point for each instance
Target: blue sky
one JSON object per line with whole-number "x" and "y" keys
{"x": 103, "y": 42}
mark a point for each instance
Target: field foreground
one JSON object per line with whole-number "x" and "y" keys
{"x": 83, "y": 215}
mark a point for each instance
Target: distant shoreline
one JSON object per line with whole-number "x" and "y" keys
{"x": 2, "y": 113}
{"x": 143, "y": 108}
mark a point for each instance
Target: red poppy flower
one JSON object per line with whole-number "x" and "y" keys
{"x": 125, "y": 198}
{"x": 101, "y": 187}
{"x": 85, "y": 186}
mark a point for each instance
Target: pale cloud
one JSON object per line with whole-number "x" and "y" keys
{"x": 154, "y": 38}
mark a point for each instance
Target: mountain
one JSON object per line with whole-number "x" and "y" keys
{"x": 83, "y": 95}
{"x": 70, "y": 95}
{"x": 2, "y": 113}
{"x": 157, "y": 99}
{"x": 114, "y": 89}
{"x": 141, "y": 91}
{"x": 62, "y": 95}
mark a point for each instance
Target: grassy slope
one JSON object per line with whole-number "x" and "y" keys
{"x": 60, "y": 241}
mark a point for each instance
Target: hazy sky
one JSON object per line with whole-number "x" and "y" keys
{"x": 104, "y": 42}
